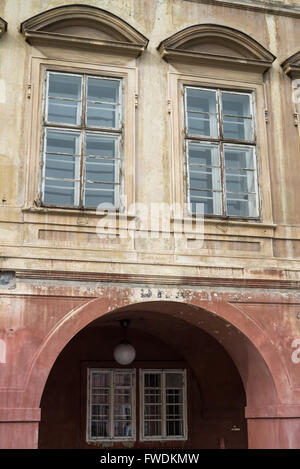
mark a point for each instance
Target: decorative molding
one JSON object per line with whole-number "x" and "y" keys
{"x": 83, "y": 27}
{"x": 3, "y": 27}
{"x": 241, "y": 282}
{"x": 216, "y": 45}
{"x": 260, "y": 6}
{"x": 291, "y": 66}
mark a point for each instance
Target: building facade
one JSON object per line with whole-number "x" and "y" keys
{"x": 150, "y": 173}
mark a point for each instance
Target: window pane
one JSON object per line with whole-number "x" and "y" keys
{"x": 239, "y": 127}
{"x": 152, "y": 428}
{"x": 100, "y": 379}
{"x": 59, "y": 141}
{"x": 201, "y": 112}
{"x": 63, "y": 112}
{"x": 100, "y": 429}
{"x": 152, "y": 380}
{"x": 102, "y": 145}
{"x": 242, "y": 205}
{"x": 103, "y": 90}
{"x": 98, "y": 194}
{"x": 58, "y": 166}
{"x": 59, "y": 192}
{"x": 100, "y": 171}
{"x": 239, "y": 180}
{"x": 102, "y": 115}
{"x": 239, "y": 157}
{"x": 103, "y": 103}
{"x": 203, "y": 154}
{"x": 212, "y": 201}
{"x": 207, "y": 178}
{"x": 234, "y": 104}
{"x": 174, "y": 380}
{"x": 64, "y": 99}
{"x": 64, "y": 86}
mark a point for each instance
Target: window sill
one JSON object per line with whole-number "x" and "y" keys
{"x": 78, "y": 212}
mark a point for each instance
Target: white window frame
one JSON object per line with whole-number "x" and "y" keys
{"x": 221, "y": 141}
{"x": 111, "y": 437}
{"x": 163, "y": 388}
{"x": 83, "y": 129}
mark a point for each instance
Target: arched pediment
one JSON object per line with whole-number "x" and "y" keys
{"x": 291, "y": 66}
{"x": 3, "y": 26}
{"x": 215, "y": 44}
{"x": 83, "y": 26}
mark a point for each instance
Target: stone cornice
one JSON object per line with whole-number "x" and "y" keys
{"x": 291, "y": 66}
{"x": 159, "y": 280}
{"x": 273, "y": 8}
{"x": 217, "y": 45}
{"x": 52, "y": 28}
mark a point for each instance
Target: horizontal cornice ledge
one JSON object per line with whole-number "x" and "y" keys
{"x": 256, "y": 6}
{"x": 40, "y": 38}
{"x": 158, "y": 279}
{"x": 182, "y": 56}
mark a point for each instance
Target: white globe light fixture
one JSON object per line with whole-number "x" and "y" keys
{"x": 124, "y": 353}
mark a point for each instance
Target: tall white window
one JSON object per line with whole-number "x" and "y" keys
{"x": 82, "y": 140}
{"x": 111, "y": 405}
{"x": 163, "y": 404}
{"x": 220, "y": 147}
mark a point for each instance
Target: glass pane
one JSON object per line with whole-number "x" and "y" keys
{"x": 122, "y": 428}
{"x": 152, "y": 411}
{"x": 59, "y": 192}
{"x": 64, "y": 99}
{"x": 123, "y": 379}
{"x": 174, "y": 396}
{"x": 201, "y": 100}
{"x": 102, "y": 115}
{"x": 152, "y": 396}
{"x": 63, "y": 112}
{"x": 240, "y": 181}
{"x": 174, "y": 380}
{"x": 103, "y": 103}
{"x": 99, "y": 429}
{"x": 212, "y": 202}
{"x": 66, "y": 167}
{"x": 201, "y": 112}
{"x": 100, "y": 170}
{"x": 207, "y": 178}
{"x": 94, "y": 195}
{"x": 235, "y": 104}
{"x": 102, "y": 145}
{"x": 152, "y": 380}
{"x": 152, "y": 428}
{"x": 238, "y": 128}
{"x": 100, "y": 379}
{"x": 100, "y": 412}
{"x": 242, "y": 205}
{"x": 203, "y": 154}
{"x": 63, "y": 142}
{"x": 100, "y": 397}
{"x": 103, "y": 90}
{"x": 64, "y": 86}
{"x": 174, "y": 428}
{"x": 239, "y": 157}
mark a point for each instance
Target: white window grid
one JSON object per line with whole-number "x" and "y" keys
{"x": 111, "y": 372}
{"x": 83, "y": 129}
{"x": 163, "y": 435}
{"x": 221, "y": 141}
